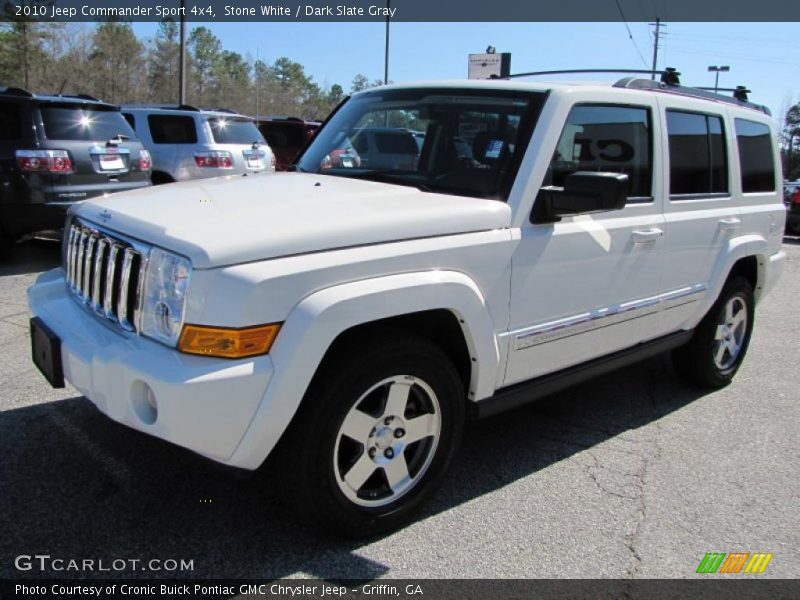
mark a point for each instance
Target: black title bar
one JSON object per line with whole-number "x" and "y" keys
{"x": 406, "y": 589}
{"x": 401, "y": 10}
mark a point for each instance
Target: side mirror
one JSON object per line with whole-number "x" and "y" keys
{"x": 583, "y": 192}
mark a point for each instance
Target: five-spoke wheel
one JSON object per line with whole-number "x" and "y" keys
{"x": 374, "y": 435}
{"x": 717, "y": 348}
{"x": 387, "y": 440}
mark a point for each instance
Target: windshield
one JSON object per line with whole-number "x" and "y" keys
{"x": 83, "y": 123}
{"x": 459, "y": 141}
{"x": 235, "y": 131}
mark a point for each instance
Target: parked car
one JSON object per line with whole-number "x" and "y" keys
{"x": 791, "y": 199}
{"x": 348, "y": 320}
{"x": 190, "y": 143}
{"x": 57, "y": 150}
{"x": 286, "y": 136}
{"x": 384, "y": 147}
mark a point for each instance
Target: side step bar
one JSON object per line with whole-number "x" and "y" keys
{"x": 520, "y": 394}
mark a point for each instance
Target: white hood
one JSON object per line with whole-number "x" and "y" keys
{"x": 236, "y": 219}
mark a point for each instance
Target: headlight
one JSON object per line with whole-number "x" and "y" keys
{"x": 165, "y": 283}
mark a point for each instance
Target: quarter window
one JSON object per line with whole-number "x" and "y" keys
{"x": 755, "y": 156}
{"x": 606, "y": 138}
{"x": 697, "y": 154}
{"x": 172, "y": 129}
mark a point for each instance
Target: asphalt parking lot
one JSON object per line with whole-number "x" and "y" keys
{"x": 632, "y": 475}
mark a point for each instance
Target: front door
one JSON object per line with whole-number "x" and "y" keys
{"x": 588, "y": 285}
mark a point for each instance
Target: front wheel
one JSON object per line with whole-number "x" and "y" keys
{"x": 374, "y": 435}
{"x": 719, "y": 344}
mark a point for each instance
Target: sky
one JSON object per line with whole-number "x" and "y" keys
{"x": 763, "y": 56}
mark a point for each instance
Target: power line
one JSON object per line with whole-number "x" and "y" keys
{"x": 722, "y": 39}
{"x": 630, "y": 35}
{"x": 763, "y": 59}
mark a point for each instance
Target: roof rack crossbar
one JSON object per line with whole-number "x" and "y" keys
{"x": 740, "y": 92}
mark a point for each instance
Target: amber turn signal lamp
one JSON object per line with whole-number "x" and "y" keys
{"x": 226, "y": 342}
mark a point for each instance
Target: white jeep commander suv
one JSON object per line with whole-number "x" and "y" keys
{"x": 349, "y": 319}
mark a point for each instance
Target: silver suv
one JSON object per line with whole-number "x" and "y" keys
{"x": 190, "y": 143}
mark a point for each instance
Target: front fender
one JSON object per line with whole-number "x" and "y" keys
{"x": 317, "y": 320}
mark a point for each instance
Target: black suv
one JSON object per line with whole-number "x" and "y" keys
{"x": 58, "y": 150}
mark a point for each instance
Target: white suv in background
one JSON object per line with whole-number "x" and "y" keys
{"x": 189, "y": 143}
{"x": 349, "y": 318}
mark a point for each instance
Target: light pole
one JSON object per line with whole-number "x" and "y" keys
{"x": 182, "y": 57}
{"x": 386, "y": 55}
{"x": 717, "y": 70}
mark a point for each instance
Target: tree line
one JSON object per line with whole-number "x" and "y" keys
{"x": 110, "y": 62}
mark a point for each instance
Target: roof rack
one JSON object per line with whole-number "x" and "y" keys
{"x": 78, "y": 96}
{"x": 739, "y": 97}
{"x": 220, "y": 109}
{"x": 669, "y": 82}
{"x": 162, "y": 106}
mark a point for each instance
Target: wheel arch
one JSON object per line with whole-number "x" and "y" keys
{"x": 747, "y": 256}
{"x": 438, "y": 304}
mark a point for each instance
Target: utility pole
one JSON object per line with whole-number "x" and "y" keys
{"x": 182, "y": 61}
{"x": 257, "y": 78}
{"x": 657, "y": 34}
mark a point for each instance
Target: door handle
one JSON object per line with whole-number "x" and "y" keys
{"x": 644, "y": 236}
{"x": 729, "y": 224}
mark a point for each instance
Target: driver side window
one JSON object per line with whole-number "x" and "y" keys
{"x": 610, "y": 138}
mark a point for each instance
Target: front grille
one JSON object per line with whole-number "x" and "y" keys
{"x": 105, "y": 273}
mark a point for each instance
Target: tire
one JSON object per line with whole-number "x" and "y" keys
{"x": 718, "y": 347}
{"x": 374, "y": 436}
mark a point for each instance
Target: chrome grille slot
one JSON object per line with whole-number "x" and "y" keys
{"x": 105, "y": 273}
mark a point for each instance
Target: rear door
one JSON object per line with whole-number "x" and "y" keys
{"x": 102, "y": 147}
{"x": 701, "y": 212}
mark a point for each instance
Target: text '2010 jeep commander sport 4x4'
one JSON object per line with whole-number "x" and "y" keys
{"x": 350, "y": 319}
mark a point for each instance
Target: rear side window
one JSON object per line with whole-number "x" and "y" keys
{"x": 697, "y": 154}
{"x": 235, "y": 131}
{"x": 83, "y": 123}
{"x": 172, "y": 129}
{"x": 606, "y": 138}
{"x": 755, "y": 156}
{"x": 10, "y": 121}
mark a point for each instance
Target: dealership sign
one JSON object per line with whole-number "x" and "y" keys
{"x": 488, "y": 66}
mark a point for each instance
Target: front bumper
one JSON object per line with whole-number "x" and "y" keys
{"x": 203, "y": 404}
